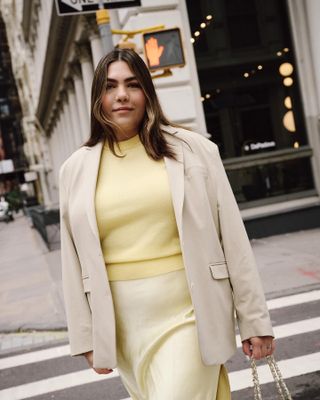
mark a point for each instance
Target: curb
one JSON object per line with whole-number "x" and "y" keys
{"x": 15, "y": 342}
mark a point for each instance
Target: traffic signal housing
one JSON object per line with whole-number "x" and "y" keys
{"x": 163, "y": 49}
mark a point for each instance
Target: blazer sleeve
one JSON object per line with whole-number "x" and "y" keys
{"x": 77, "y": 308}
{"x": 251, "y": 309}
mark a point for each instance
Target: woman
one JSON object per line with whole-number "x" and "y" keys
{"x": 155, "y": 257}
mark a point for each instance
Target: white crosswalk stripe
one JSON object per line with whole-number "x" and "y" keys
{"x": 281, "y": 331}
{"x": 34, "y": 356}
{"x": 290, "y": 368}
{"x": 294, "y": 328}
{"x": 51, "y": 384}
{"x": 293, "y": 300}
{"x": 41, "y": 355}
{"x": 239, "y": 379}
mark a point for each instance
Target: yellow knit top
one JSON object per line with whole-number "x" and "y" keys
{"x": 135, "y": 216}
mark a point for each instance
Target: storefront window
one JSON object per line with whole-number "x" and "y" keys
{"x": 269, "y": 180}
{"x": 250, "y": 94}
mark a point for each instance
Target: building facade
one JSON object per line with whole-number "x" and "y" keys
{"x": 258, "y": 71}
{"x": 13, "y": 162}
{"x": 251, "y": 80}
{"x": 58, "y": 55}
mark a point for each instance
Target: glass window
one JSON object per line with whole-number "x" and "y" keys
{"x": 242, "y": 23}
{"x": 270, "y": 180}
{"x": 250, "y": 94}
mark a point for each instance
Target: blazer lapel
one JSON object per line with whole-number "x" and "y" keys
{"x": 175, "y": 170}
{"x": 92, "y": 162}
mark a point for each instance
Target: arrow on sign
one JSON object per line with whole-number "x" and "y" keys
{"x": 73, "y": 4}
{"x": 77, "y": 4}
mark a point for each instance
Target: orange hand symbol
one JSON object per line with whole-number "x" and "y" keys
{"x": 153, "y": 51}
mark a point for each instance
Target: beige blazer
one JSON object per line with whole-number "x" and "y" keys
{"x": 219, "y": 263}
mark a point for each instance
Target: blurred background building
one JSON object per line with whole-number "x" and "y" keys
{"x": 251, "y": 79}
{"x": 13, "y": 162}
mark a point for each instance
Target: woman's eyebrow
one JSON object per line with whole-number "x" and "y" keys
{"x": 130, "y": 78}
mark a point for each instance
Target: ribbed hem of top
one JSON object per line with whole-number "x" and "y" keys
{"x": 144, "y": 269}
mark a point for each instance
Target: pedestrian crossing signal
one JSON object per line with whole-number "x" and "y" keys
{"x": 163, "y": 49}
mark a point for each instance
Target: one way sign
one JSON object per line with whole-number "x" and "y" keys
{"x": 71, "y": 7}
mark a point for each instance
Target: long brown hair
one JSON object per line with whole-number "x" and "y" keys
{"x": 102, "y": 128}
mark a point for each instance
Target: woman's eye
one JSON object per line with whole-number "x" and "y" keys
{"x": 135, "y": 85}
{"x": 109, "y": 86}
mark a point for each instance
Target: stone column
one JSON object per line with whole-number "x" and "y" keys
{"x": 81, "y": 101}
{"x": 65, "y": 136}
{"x": 96, "y": 48}
{"x": 62, "y": 139}
{"x": 56, "y": 149}
{"x": 29, "y": 149}
{"x": 84, "y": 57}
{"x": 46, "y": 162}
{"x": 74, "y": 114}
{"x": 59, "y": 148}
{"x": 305, "y": 32}
{"x": 95, "y": 40}
{"x": 44, "y": 186}
{"x": 313, "y": 15}
{"x": 54, "y": 152}
{"x": 68, "y": 128}
{"x": 60, "y": 155}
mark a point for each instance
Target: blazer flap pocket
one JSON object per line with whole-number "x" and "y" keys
{"x": 219, "y": 270}
{"x": 86, "y": 284}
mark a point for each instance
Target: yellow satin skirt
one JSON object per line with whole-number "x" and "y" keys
{"x": 157, "y": 345}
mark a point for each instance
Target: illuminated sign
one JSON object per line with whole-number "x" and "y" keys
{"x": 259, "y": 145}
{"x": 163, "y": 49}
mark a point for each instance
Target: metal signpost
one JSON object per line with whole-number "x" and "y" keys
{"x": 163, "y": 47}
{"x": 77, "y": 7}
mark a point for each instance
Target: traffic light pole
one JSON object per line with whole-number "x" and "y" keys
{"x": 103, "y": 21}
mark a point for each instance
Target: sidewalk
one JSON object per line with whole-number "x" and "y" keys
{"x": 31, "y": 306}
{"x": 31, "y": 302}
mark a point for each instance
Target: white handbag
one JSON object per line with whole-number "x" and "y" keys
{"x": 281, "y": 386}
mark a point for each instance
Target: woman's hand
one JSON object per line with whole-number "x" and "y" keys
{"x": 258, "y": 347}
{"x": 89, "y": 357}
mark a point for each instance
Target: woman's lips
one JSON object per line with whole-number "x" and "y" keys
{"x": 122, "y": 109}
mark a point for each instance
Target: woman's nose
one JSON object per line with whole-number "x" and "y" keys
{"x": 122, "y": 94}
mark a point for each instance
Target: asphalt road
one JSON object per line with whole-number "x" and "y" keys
{"x": 50, "y": 373}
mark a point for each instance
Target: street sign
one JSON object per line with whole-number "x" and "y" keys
{"x": 163, "y": 49}
{"x": 77, "y": 7}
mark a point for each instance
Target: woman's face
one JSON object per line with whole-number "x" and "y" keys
{"x": 123, "y": 100}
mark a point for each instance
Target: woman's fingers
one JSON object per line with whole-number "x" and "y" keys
{"x": 270, "y": 348}
{"x": 89, "y": 357}
{"x": 246, "y": 347}
{"x": 103, "y": 370}
{"x": 258, "y": 347}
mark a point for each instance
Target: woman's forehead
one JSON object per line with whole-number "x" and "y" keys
{"x": 119, "y": 70}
